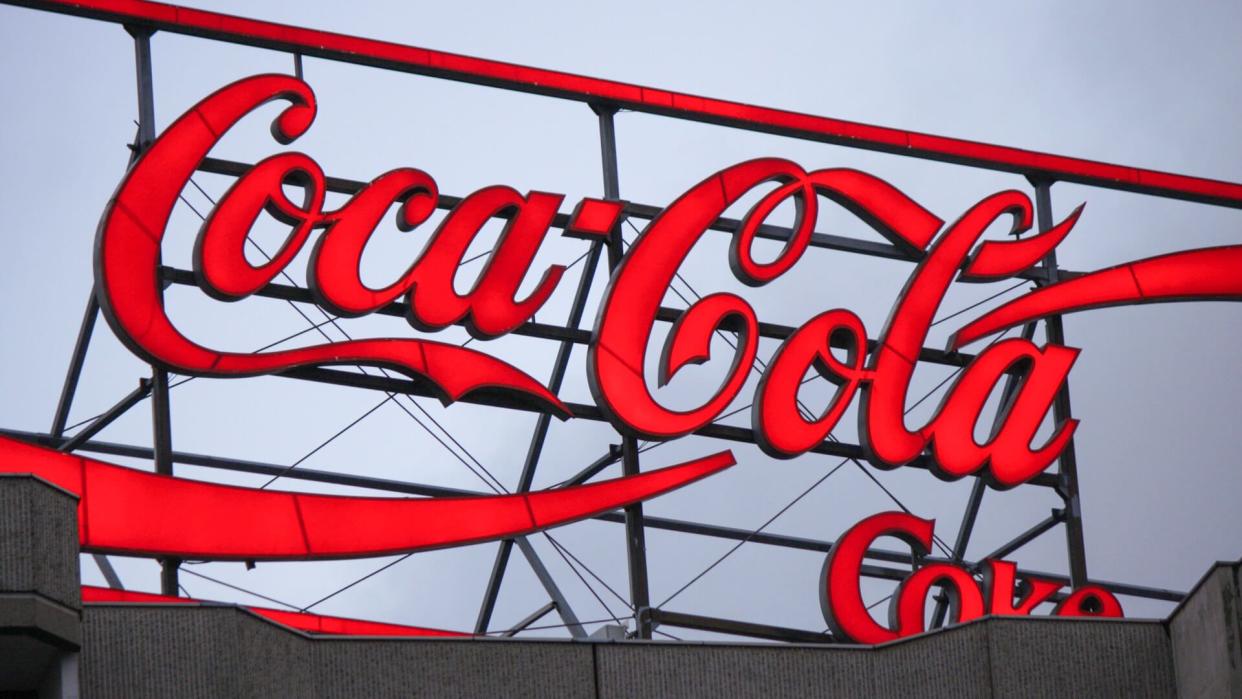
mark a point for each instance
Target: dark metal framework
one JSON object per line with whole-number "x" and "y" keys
{"x": 884, "y": 564}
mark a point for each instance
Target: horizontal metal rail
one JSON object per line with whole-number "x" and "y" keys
{"x": 712, "y": 530}
{"x": 551, "y": 83}
{"x": 585, "y": 411}
{"x": 827, "y": 241}
{"x": 805, "y": 544}
{"x": 545, "y": 331}
{"x": 590, "y": 412}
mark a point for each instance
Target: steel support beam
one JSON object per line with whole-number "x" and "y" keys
{"x": 95, "y": 427}
{"x": 545, "y": 578}
{"x": 161, "y": 452}
{"x": 146, "y": 108}
{"x": 959, "y": 546}
{"x": 492, "y": 592}
{"x": 968, "y": 520}
{"x": 160, "y": 415}
{"x": 1025, "y": 538}
{"x": 1068, "y": 461}
{"x": 636, "y": 546}
{"x": 635, "y": 538}
{"x": 535, "y": 449}
{"x": 86, "y": 330}
{"x": 109, "y": 573}
{"x": 603, "y": 462}
{"x": 532, "y": 618}
{"x": 1008, "y": 394}
{"x": 146, "y": 89}
{"x": 608, "y": 153}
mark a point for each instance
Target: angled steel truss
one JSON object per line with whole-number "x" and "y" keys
{"x": 604, "y": 99}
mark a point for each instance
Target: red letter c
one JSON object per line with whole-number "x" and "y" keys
{"x": 840, "y": 595}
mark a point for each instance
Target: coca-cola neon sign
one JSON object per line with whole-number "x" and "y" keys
{"x": 297, "y": 526}
{"x": 848, "y": 616}
{"x": 128, "y": 253}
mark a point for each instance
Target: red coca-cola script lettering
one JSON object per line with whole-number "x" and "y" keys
{"x": 847, "y": 615}
{"x": 879, "y": 371}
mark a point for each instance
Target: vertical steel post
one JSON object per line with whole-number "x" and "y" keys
{"x": 535, "y": 449}
{"x": 612, "y": 180}
{"x": 959, "y": 546}
{"x": 1068, "y": 462}
{"x": 539, "y": 437}
{"x": 85, "y": 331}
{"x": 1008, "y": 393}
{"x": 146, "y": 89}
{"x": 160, "y": 417}
{"x": 636, "y": 546}
{"x": 635, "y": 535}
{"x": 162, "y": 447}
{"x": 488, "y": 606}
{"x": 161, "y": 421}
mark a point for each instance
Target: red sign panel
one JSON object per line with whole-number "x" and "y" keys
{"x": 848, "y": 616}
{"x": 128, "y": 254}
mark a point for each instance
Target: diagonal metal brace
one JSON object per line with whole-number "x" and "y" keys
{"x": 129, "y": 401}
{"x": 541, "y": 572}
{"x": 532, "y": 618}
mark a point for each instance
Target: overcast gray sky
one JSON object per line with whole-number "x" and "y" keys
{"x": 1157, "y": 388}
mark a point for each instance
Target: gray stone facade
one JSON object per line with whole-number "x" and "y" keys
{"x": 52, "y": 645}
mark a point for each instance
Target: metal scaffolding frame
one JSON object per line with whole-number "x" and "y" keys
{"x": 884, "y": 564}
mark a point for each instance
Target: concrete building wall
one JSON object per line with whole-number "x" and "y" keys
{"x": 39, "y": 540}
{"x": 139, "y": 650}
{"x": 142, "y": 650}
{"x": 40, "y": 593}
{"x": 1206, "y": 633}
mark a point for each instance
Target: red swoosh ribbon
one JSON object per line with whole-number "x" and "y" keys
{"x": 126, "y": 511}
{"x": 1206, "y": 274}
